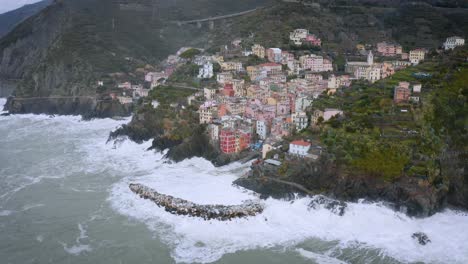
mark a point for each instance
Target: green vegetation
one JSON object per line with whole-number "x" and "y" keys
{"x": 376, "y": 138}
{"x": 167, "y": 95}
{"x": 190, "y": 53}
{"x": 186, "y": 74}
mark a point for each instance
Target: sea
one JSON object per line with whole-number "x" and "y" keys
{"x": 64, "y": 198}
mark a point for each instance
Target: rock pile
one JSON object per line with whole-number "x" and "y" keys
{"x": 421, "y": 237}
{"x": 183, "y": 207}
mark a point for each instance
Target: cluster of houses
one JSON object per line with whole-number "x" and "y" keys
{"x": 403, "y": 94}
{"x": 258, "y": 111}
{"x": 394, "y": 59}
{"x": 130, "y": 92}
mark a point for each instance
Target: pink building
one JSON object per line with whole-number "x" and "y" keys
{"x": 389, "y": 49}
{"x": 271, "y": 67}
{"x": 313, "y": 40}
{"x": 228, "y": 90}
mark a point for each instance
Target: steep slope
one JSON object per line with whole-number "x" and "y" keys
{"x": 12, "y": 18}
{"x": 68, "y": 46}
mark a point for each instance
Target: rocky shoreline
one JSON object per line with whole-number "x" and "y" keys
{"x": 183, "y": 207}
{"x": 87, "y": 107}
{"x": 412, "y": 196}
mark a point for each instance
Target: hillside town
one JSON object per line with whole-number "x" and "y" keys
{"x": 256, "y": 106}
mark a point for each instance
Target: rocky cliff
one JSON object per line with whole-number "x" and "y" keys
{"x": 416, "y": 197}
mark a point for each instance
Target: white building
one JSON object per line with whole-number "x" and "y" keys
{"x": 453, "y": 42}
{"x": 298, "y": 35}
{"x": 417, "y": 88}
{"x": 300, "y": 120}
{"x": 213, "y": 129}
{"x": 125, "y": 99}
{"x": 262, "y": 129}
{"x": 299, "y": 148}
{"x": 206, "y": 71}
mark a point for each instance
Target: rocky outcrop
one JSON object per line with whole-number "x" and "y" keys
{"x": 334, "y": 206}
{"x": 183, "y": 207}
{"x": 411, "y": 195}
{"x": 421, "y": 237}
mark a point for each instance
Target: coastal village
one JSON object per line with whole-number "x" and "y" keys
{"x": 255, "y": 106}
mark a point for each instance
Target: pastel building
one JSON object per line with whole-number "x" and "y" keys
{"x": 300, "y": 120}
{"x": 207, "y": 112}
{"x": 401, "y": 93}
{"x": 258, "y": 50}
{"x": 389, "y": 49}
{"x": 416, "y": 56}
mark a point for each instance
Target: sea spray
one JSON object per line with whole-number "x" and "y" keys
{"x": 73, "y": 155}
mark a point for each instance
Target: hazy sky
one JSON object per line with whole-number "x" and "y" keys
{"x": 7, "y": 5}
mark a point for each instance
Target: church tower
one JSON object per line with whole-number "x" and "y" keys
{"x": 370, "y": 58}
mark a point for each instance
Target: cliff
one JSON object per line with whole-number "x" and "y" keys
{"x": 414, "y": 196}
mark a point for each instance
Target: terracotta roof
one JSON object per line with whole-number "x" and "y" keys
{"x": 301, "y": 143}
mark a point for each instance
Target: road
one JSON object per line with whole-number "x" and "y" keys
{"x": 216, "y": 17}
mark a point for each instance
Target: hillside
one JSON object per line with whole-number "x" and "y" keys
{"x": 68, "y": 46}
{"x": 12, "y": 18}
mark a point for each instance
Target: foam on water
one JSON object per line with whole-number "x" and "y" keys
{"x": 319, "y": 258}
{"x": 364, "y": 225}
{"x": 285, "y": 224}
{"x": 80, "y": 245}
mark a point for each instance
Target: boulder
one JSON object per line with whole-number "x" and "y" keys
{"x": 421, "y": 237}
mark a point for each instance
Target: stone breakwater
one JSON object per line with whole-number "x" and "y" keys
{"x": 183, "y": 207}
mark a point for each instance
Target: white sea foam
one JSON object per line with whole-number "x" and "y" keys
{"x": 40, "y": 238}
{"x": 80, "y": 245}
{"x": 6, "y": 212}
{"x": 283, "y": 223}
{"x": 319, "y": 258}
{"x": 77, "y": 249}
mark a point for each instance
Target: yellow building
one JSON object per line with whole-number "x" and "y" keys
{"x": 272, "y": 101}
{"x": 258, "y": 50}
{"x": 231, "y": 66}
{"x": 417, "y": 55}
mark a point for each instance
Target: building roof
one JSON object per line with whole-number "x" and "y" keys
{"x": 273, "y": 162}
{"x": 270, "y": 64}
{"x": 301, "y": 143}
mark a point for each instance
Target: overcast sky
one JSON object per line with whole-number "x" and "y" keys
{"x": 7, "y": 5}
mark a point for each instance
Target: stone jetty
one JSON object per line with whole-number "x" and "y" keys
{"x": 183, "y": 207}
